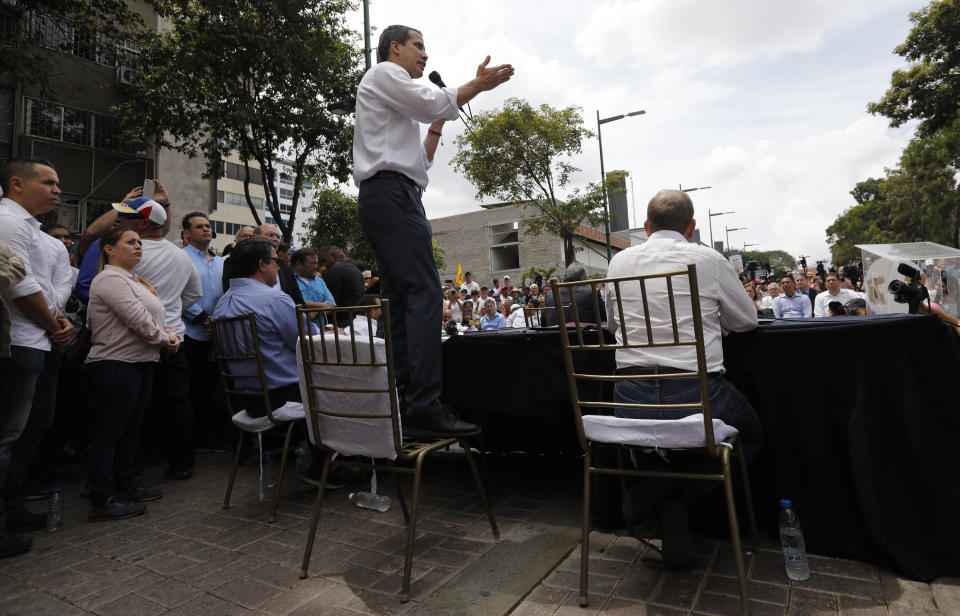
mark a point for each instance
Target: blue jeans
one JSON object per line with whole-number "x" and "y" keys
{"x": 120, "y": 392}
{"x": 726, "y": 404}
{"x": 19, "y": 375}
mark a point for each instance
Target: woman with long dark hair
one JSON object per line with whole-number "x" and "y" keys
{"x": 128, "y": 334}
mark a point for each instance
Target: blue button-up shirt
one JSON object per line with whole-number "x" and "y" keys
{"x": 211, "y": 279}
{"x": 276, "y": 318}
{"x": 796, "y": 306}
{"x": 89, "y": 267}
{"x": 497, "y": 321}
{"x": 314, "y": 289}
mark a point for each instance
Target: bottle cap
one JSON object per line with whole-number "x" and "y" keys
{"x": 785, "y": 502}
{"x": 55, "y": 490}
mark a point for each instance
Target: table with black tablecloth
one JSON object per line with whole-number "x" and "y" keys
{"x": 861, "y": 417}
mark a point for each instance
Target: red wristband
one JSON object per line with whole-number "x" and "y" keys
{"x": 434, "y": 132}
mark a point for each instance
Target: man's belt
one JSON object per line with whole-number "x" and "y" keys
{"x": 386, "y": 173}
{"x": 655, "y": 370}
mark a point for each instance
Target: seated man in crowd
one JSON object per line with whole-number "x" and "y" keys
{"x": 724, "y": 306}
{"x": 361, "y": 325}
{"x": 491, "y": 319}
{"x": 834, "y": 293}
{"x": 583, "y": 295}
{"x": 790, "y": 304}
{"x": 773, "y": 291}
{"x": 285, "y": 278}
{"x": 255, "y": 289}
{"x": 312, "y": 287}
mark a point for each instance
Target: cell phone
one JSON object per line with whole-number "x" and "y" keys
{"x": 149, "y": 187}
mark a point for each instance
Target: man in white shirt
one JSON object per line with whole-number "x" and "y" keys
{"x": 390, "y": 168}
{"x": 28, "y": 378}
{"x": 834, "y": 293}
{"x": 724, "y": 307}
{"x": 470, "y": 284}
{"x": 171, "y": 272}
{"x": 791, "y": 304}
{"x": 773, "y": 291}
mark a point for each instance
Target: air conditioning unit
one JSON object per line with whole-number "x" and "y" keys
{"x": 125, "y": 74}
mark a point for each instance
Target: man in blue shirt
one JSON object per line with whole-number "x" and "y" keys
{"x": 491, "y": 319}
{"x": 213, "y": 424}
{"x": 790, "y": 304}
{"x": 255, "y": 264}
{"x": 312, "y": 287}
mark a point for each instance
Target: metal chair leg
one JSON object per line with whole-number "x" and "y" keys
{"x": 412, "y": 529}
{"x": 394, "y": 478}
{"x": 283, "y": 466}
{"x": 479, "y": 483}
{"x": 735, "y": 533}
{"x": 312, "y": 534}
{"x": 585, "y": 531}
{"x": 233, "y": 472}
{"x": 751, "y": 518}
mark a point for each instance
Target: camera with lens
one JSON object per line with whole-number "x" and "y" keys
{"x": 909, "y": 293}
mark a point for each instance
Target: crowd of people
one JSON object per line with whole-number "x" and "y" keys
{"x": 796, "y": 297}
{"x": 105, "y": 347}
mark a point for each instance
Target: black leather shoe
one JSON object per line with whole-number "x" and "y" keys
{"x": 178, "y": 475}
{"x": 12, "y": 545}
{"x": 140, "y": 494}
{"x": 115, "y": 508}
{"x": 442, "y": 424}
{"x": 23, "y": 521}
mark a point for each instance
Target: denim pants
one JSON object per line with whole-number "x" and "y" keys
{"x": 726, "y": 404}
{"x": 393, "y": 219}
{"x": 18, "y": 381}
{"x": 120, "y": 391}
{"x": 27, "y": 405}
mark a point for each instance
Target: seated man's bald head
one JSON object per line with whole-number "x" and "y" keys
{"x": 669, "y": 210}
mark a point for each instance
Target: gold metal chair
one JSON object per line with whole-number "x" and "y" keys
{"x": 347, "y": 380}
{"x": 534, "y": 316}
{"x": 712, "y": 438}
{"x": 238, "y": 357}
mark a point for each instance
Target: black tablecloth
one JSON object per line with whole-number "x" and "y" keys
{"x": 860, "y": 414}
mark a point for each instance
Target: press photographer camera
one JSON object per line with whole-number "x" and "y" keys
{"x": 910, "y": 293}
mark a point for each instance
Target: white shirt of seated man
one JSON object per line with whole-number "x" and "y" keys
{"x": 723, "y": 304}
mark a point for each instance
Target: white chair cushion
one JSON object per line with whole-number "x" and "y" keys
{"x": 372, "y": 438}
{"x": 291, "y": 411}
{"x": 682, "y": 433}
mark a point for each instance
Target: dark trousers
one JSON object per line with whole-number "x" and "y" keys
{"x": 171, "y": 416}
{"x": 43, "y": 402}
{"x": 206, "y": 393}
{"x": 121, "y": 391}
{"x": 394, "y": 221}
{"x": 278, "y": 397}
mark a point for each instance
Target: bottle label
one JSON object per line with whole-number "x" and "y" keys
{"x": 795, "y": 559}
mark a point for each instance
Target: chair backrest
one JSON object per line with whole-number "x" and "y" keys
{"x": 656, "y": 290}
{"x": 347, "y": 384}
{"x": 237, "y": 350}
{"x": 534, "y": 316}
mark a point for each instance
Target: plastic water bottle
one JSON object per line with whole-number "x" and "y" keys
{"x": 791, "y": 539}
{"x": 368, "y": 500}
{"x": 55, "y": 517}
{"x": 269, "y": 471}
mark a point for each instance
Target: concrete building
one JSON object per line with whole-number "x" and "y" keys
{"x": 490, "y": 243}
{"x": 71, "y": 124}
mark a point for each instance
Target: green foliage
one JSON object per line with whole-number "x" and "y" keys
{"x": 333, "y": 220}
{"x": 929, "y": 90}
{"x": 439, "y": 255}
{"x": 780, "y": 261}
{"x": 253, "y": 77}
{"x": 519, "y": 154}
{"x": 24, "y": 57}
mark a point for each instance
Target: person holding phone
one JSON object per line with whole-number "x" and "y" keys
{"x": 128, "y": 335}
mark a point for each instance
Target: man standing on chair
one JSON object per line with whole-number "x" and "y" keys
{"x": 724, "y": 307}
{"x": 390, "y": 168}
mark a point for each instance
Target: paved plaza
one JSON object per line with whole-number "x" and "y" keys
{"x": 189, "y": 556}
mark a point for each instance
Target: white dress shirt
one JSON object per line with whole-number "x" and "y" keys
{"x": 169, "y": 270}
{"x": 723, "y": 304}
{"x": 47, "y": 267}
{"x": 390, "y": 109}
{"x": 821, "y": 303}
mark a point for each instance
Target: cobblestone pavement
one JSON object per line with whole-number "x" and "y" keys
{"x": 189, "y": 556}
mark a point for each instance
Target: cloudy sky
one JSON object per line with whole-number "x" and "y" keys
{"x": 764, "y": 101}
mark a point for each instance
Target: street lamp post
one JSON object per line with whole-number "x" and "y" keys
{"x": 746, "y": 244}
{"x": 603, "y": 175}
{"x": 366, "y": 33}
{"x": 711, "y": 215}
{"x": 728, "y": 229}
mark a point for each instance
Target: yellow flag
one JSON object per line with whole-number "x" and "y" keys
{"x": 459, "y": 279}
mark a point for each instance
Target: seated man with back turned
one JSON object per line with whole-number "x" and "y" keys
{"x": 583, "y": 296}
{"x": 255, "y": 290}
{"x": 724, "y": 306}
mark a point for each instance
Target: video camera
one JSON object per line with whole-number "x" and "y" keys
{"x": 910, "y": 293}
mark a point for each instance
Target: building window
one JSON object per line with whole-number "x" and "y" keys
{"x": 504, "y": 246}
{"x": 78, "y": 126}
{"x": 234, "y": 171}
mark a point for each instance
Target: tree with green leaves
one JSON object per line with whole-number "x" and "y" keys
{"x": 779, "y": 260}
{"x": 90, "y": 28}
{"x": 333, "y": 220}
{"x": 519, "y": 154}
{"x": 253, "y": 77}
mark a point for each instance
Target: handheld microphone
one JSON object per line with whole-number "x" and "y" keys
{"x": 438, "y": 81}
{"x": 910, "y": 272}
